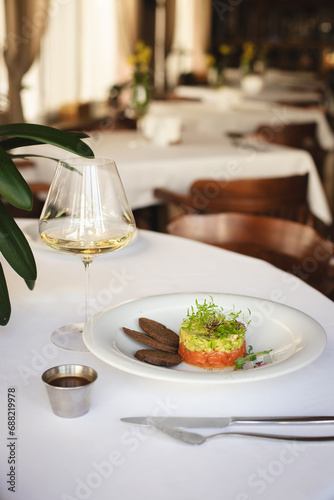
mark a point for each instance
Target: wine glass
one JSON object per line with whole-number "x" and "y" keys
{"x": 86, "y": 213}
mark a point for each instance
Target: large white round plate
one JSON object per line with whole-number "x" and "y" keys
{"x": 295, "y": 338}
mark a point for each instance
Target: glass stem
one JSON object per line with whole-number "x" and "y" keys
{"x": 87, "y": 264}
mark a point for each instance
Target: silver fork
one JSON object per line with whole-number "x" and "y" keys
{"x": 194, "y": 438}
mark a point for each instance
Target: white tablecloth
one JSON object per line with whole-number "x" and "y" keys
{"x": 215, "y": 116}
{"x": 285, "y": 80}
{"x": 98, "y": 457}
{"x": 269, "y": 93}
{"x": 144, "y": 166}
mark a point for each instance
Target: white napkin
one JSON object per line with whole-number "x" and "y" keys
{"x": 162, "y": 130}
{"x": 252, "y": 84}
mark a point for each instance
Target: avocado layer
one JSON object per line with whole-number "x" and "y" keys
{"x": 198, "y": 338}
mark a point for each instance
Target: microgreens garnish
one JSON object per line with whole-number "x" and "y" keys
{"x": 215, "y": 321}
{"x": 251, "y": 356}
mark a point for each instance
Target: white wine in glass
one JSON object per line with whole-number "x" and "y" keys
{"x": 86, "y": 213}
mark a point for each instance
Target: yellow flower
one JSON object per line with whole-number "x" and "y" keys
{"x": 210, "y": 60}
{"x": 140, "y": 45}
{"x": 131, "y": 60}
{"x": 225, "y": 49}
{"x": 248, "y": 51}
{"x": 144, "y": 56}
{"x": 141, "y": 58}
{"x": 248, "y": 46}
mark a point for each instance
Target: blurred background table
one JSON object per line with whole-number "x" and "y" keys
{"x": 222, "y": 111}
{"x": 144, "y": 166}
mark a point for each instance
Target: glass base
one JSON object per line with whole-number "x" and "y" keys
{"x": 70, "y": 337}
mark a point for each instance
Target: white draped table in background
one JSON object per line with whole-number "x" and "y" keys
{"x": 297, "y": 83}
{"x": 144, "y": 165}
{"x": 222, "y": 111}
{"x": 97, "y": 456}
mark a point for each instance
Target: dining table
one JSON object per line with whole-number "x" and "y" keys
{"x": 276, "y": 85}
{"x": 144, "y": 164}
{"x": 270, "y": 94}
{"x": 98, "y": 456}
{"x": 225, "y": 110}
{"x": 282, "y": 78}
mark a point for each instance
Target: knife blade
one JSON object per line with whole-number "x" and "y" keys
{"x": 221, "y": 422}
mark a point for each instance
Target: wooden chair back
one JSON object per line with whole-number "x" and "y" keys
{"x": 293, "y": 247}
{"x": 296, "y": 135}
{"x": 284, "y": 197}
{"x": 312, "y": 104}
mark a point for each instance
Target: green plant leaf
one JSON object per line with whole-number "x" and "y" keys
{"x": 30, "y": 284}
{"x": 13, "y": 186}
{"x": 15, "y": 248}
{"x": 5, "y": 308}
{"x": 19, "y": 142}
{"x": 66, "y": 140}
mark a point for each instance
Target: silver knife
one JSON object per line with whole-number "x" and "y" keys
{"x": 220, "y": 422}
